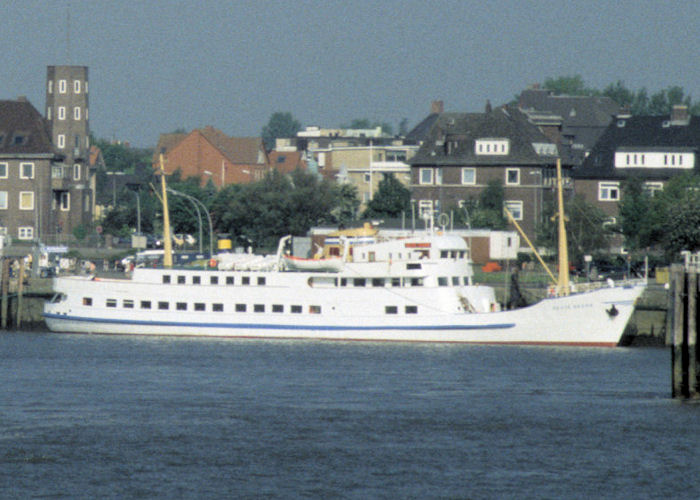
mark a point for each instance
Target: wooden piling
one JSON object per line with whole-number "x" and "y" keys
{"x": 684, "y": 321}
{"x": 20, "y": 292}
{"x": 5, "y": 290}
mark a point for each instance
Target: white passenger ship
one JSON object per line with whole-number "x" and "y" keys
{"x": 419, "y": 288}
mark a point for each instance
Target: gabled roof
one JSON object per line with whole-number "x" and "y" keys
{"x": 640, "y": 133}
{"x": 286, "y": 161}
{"x": 245, "y": 150}
{"x": 23, "y": 130}
{"x": 452, "y": 138}
{"x": 420, "y": 132}
{"x": 575, "y": 111}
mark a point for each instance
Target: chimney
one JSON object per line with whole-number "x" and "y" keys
{"x": 488, "y": 106}
{"x": 437, "y": 107}
{"x": 679, "y": 114}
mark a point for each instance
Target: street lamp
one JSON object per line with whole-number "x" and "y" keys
{"x": 197, "y": 203}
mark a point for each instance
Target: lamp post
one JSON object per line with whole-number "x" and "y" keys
{"x": 114, "y": 186}
{"x": 197, "y": 203}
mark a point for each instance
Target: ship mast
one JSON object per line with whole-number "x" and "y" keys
{"x": 563, "y": 283}
{"x": 167, "y": 241}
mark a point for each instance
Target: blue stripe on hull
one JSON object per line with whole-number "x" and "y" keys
{"x": 494, "y": 326}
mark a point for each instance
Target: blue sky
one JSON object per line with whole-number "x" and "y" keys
{"x": 160, "y": 65}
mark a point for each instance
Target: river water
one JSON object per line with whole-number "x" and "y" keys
{"x": 150, "y": 417}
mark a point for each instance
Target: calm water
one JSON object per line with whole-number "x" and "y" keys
{"x": 107, "y": 417}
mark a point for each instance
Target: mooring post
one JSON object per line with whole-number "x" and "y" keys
{"x": 20, "y": 290}
{"x": 677, "y": 372}
{"x": 5, "y": 289}
{"x": 692, "y": 334}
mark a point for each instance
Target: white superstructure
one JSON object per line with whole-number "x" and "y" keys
{"x": 412, "y": 289}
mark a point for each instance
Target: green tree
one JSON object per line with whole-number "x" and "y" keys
{"x": 484, "y": 212}
{"x": 391, "y": 199}
{"x": 568, "y": 85}
{"x": 586, "y": 230}
{"x": 280, "y": 124}
{"x": 261, "y": 212}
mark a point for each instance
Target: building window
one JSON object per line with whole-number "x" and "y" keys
{"x": 76, "y": 172}
{"x": 48, "y": 113}
{"x": 3, "y": 200}
{"x": 3, "y": 170}
{"x": 515, "y": 208}
{"x": 76, "y": 113}
{"x": 367, "y": 178}
{"x": 26, "y": 200}
{"x": 426, "y": 176}
{"x": 25, "y": 232}
{"x": 26, "y": 170}
{"x": 61, "y": 112}
{"x": 491, "y": 147}
{"x": 61, "y": 141}
{"x": 425, "y": 208}
{"x": 653, "y": 187}
{"x": 469, "y": 176}
{"x": 76, "y": 86}
{"x": 438, "y": 176}
{"x": 65, "y": 202}
{"x": 62, "y": 86}
{"x": 512, "y": 176}
{"x": 50, "y": 86}
{"x": 608, "y": 191}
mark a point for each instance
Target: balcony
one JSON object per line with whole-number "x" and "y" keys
{"x": 61, "y": 177}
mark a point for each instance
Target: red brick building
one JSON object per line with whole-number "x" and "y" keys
{"x": 208, "y": 153}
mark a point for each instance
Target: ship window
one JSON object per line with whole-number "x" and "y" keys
{"x": 358, "y": 282}
{"x": 413, "y": 266}
{"x": 196, "y": 280}
{"x": 240, "y": 308}
{"x": 444, "y": 254}
{"x": 229, "y": 280}
{"x": 261, "y": 281}
{"x": 214, "y": 280}
{"x": 296, "y": 309}
{"x": 411, "y": 309}
{"x": 455, "y": 280}
{"x": 145, "y": 304}
{"x": 259, "y": 308}
{"x": 442, "y": 281}
{"x": 199, "y": 306}
{"x": 465, "y": 280}
{"x": 128, "y": 304}
{"x": 377, "y": 281}
{"x": 395, "y": 281}
{"x": 217, "y": 307}
{"x": 416, "y": 281}
{"x": 181, "y": 280}
{"x": 181, "y": 306}
{"x": 245, "y": 280}
{"x": 163, "y": 306}
{"x": 166, "y": 278}
{"x": 343, "y": 282}
{"x": 314, "y": 309}
{"x": 277, "y": 308}
{"x": 87, "y": 301}
{"x": 111, "y": 303}
{"x": 391, "y": 309}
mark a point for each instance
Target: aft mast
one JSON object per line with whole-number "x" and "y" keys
{"x": 563, "y": 282}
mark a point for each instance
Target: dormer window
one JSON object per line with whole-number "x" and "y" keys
{"x": 654, "y": 159}
{"x": 492, "y": 147}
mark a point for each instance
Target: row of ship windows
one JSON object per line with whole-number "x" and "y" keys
{"x": 343, "y": 282}
{"x": 219, "y": 307}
